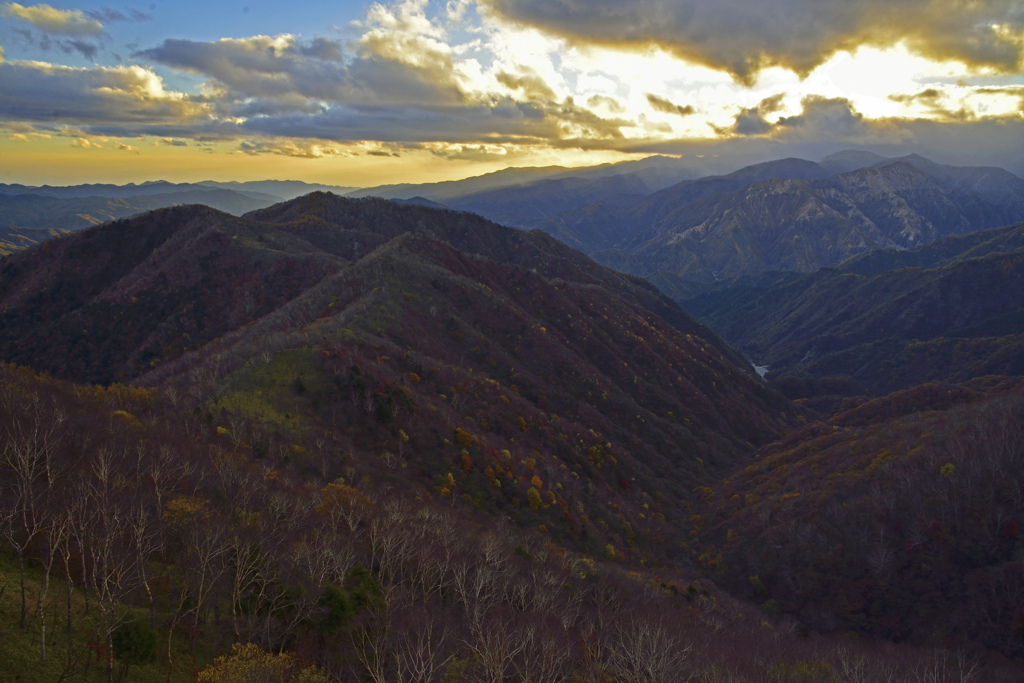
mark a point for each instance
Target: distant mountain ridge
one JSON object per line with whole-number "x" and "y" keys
{"x": 787, "y": 214}
{"x": 31, "y": 218}
{"x": 273, "y": 190}
{"x": 947, "y": 311}
{"x": 29, "y": 215}
{"x": 802, "y": 225}
{"x": 655, "y": 218}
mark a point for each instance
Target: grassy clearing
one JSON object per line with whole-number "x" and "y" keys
{"x": 77, "y": 659}
{"x": 270, "y": 392}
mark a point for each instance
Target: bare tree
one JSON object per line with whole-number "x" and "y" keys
{"x": 546, "y": 656}
{"x": 422, "y": 649}
{"x": 495, "y": 641}
{"x": 56, "y": 539}
{"x": 645, "y": 650}
{"x": 26, "y": 453}
{"x": 201, "y": 548}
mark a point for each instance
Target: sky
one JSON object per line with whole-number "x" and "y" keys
{"x": 359, "y": 94}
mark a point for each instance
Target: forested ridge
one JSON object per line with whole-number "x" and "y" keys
{"x": 352, "y": 440}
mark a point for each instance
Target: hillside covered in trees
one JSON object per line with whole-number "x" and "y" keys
{"x": 889, "y": 320}
{"x": 363, "y": 441}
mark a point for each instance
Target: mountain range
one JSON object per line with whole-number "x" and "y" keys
{"x": 798, "y": 224}
{"x": 344, "y": 418}
{"x": 789, "y": 214}
{"x": 654, "y": 218}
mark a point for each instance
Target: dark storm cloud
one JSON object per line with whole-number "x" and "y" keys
{"x": 743, "y": 37}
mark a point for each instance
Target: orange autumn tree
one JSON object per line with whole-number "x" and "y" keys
{"x": 249, "y": 664}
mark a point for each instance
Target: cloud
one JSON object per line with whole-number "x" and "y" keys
{"x": 82, "y": 47}
{"x": 823, "y": 117}
{"x": 930, "y": 95}
{"x": 458, "y": 81}
{"x": 530, "y": 86}
{"x": 67, "y": 46}
{"x": 54, "y": 21}
{"x": 291, "y": 148}
{"x": 131, "y": 99}
{"x": 821, "y": 121}
{"x": 610, "y": 103}
{"x": 83, "y": 143}
{"x": 473, "y": 152}
{"x": 107, "y": 15}
{"x": 668, "y": 107}
{"x": 744, "y": 37}
{"x": 770, "y": 105}
{"x": 283, "y": 69}
{"x": 961, "y": 102}
{"x": 752, "y": 121}
{"x": 933, "y": 101}
{"x": 400, "y": 82}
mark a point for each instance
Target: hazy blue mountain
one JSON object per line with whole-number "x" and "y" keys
{"x": 654, "y": 172}
{"x": 528, "y": 206}
{"x": 851, "y": 160}
{"x": 278, "y": 190}
{"x": 146, "y": 189}
{"x": 26, "y": 219}
{"x": 995, "y": 185}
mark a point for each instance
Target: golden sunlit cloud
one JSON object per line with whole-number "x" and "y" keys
{"x": 304, "y": 149}
{"x": 83, "y": 143}
{"x": 51, "y": 20}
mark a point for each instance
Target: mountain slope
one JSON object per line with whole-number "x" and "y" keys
{"x": 357, "y": 369}
{"x": 802, "y": 226}
{"x": 900, "y": 518}
{"x": 993, "y": 185}
{"x": 654, "y": 172}
{"x": 939, "y": 253}
{"x": 15, "y": 239}
{"x": 530, "y": 205}
{"x": 613, "y": 221}
{"x": 364, "y": 320}
{"x": 959, "y": 316}
{"x": 102, "y": 304}
{"x": 288, "y": 545}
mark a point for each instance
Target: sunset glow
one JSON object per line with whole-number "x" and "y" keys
{"x": 417, "y": 90}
